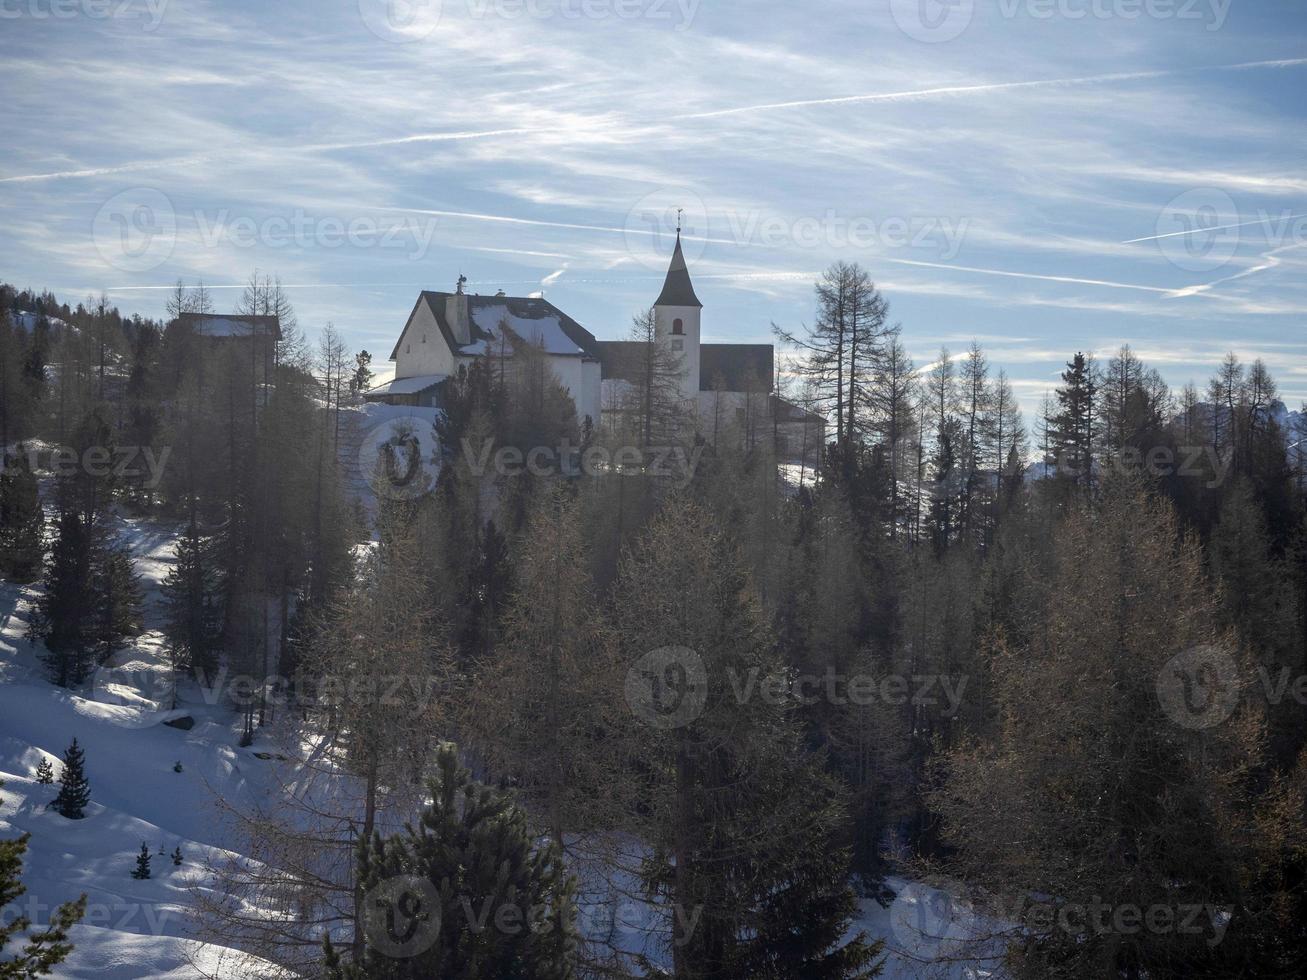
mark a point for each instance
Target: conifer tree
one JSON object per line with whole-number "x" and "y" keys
{"x": 191, "y": 597}
{"x": 43, "y": 950}
{"x": 471, "y": 849}
{"x": 1099, "y": 787}
{"x": 74, "y": 787}
{"x": 142, "y": 869}
{"x": 742, "y": 825}
{"x": 22, "y": 522}
{"x": 45, "y": 773}
{"x": 65, "y": 611}
{"x": 118, "y": 597}
{"x": 1074, "y": 426}
{"x": 177, "y": 856}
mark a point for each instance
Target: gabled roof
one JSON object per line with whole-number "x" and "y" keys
{"x": 737, "y": 365}
{"x": 533, "y": 318}
{"x": 677, "y": 288}
{"x": 231, "y": 324}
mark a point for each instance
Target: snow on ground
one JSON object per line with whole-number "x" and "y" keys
{"x": 139, "y": 929}
{"x": 132, "y": 928}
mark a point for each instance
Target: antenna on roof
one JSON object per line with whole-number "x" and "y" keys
{"x": 679, "y": 211}
{"x": 462, "y": 279}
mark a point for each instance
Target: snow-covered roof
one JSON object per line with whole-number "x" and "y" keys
{"x": 26, "y": 320}
{"x": 532, "y": 318}
{"x": 408, "y": 386}
{"x": 545, "y": 332}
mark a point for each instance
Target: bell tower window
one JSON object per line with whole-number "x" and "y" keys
{"x": 678, "y": 326}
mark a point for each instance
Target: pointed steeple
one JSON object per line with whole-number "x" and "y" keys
{"x": 677, "y": 288}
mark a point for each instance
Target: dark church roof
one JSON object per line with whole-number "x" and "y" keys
{"x": 677, "y": 288}
{"x": 533, "y": 317}
{"x": 738, "y": 366}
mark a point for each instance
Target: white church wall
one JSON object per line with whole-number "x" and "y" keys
{"x": 423, "y": 349}
{"x": 581, "y": 379}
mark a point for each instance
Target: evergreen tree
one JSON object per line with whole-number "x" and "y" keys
{"x": 742, "y": 825}
{"x": 142, "y": 869}
{"x": 43, "y": 950}
{"x": 118, "y": 597}
{"x": 22, "y": 522}
{"x": 64, "y": 617}
{"x": 74, "y": 788}
{"x": 472, "y": 850}
{"x": 191, "y": 599}
{"x": 45, "y": 773}
{"x": 1074, "y": 426}
{"x": 361, "y": 380}
{"x": 177, "y": 857}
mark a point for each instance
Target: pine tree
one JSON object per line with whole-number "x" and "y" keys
{"x": 471, "y": 849}
{"x": 44, "y": 950}
{"x": 65, "y": 611}
{"x": 142, "y": 870}
{"x": 177, "y": 857}
{"x": 45, "y": 773}
{"x": 22, "y": 522}
{"x": 74, "y": 788}
{"x": 743, "y": 827}
{"x": 118, "y": 597}
{"x": 1074, "y": 426}
{"x": 191, "y": 597}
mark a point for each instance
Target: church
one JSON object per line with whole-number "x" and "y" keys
{"x": 723, "y": 387}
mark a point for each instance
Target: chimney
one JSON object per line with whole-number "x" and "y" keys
{"x": 456, "y": 314}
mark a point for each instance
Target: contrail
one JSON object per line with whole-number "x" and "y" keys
{"x": 474, "y": 216}
{"x": 310, "y": 148}
{"x": 103, "y": 171}
{"x": 1032, "y": 275}
{"x": 1196, "y": 231}
{"x": 925, "y": 93}
{"x": 988, "y": 87}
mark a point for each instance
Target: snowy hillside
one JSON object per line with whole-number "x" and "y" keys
{"x": 140, "y": 928}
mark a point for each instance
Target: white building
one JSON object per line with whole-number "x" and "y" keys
{"x": 721, "y": 383}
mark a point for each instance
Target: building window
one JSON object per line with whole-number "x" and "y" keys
{"x": 424, "y": 338}
{"x": 678, "y": 344}
{"x": 408, "y": 348}
{"x": 677, "y": 326}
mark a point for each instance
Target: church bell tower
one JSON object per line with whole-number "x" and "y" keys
{"x": 677, "y": 312}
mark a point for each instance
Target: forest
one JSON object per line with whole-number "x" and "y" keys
{"x": 1051, "y": 664}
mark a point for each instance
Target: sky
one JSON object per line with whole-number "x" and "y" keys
{"x": 1044, "y": 176}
